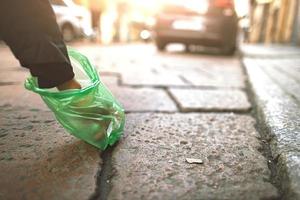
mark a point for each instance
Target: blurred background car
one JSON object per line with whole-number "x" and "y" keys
{"x": 74, "y": 20}
{"x": 211, "y": 23}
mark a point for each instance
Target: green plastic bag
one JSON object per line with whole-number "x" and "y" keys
{"x": 91, "y": 113}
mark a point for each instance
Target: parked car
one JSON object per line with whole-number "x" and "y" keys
{"x": 73, "y": 20}
{"x": 211, "y": 23}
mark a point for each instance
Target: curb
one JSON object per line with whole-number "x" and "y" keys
{"x": 278, "y": 115}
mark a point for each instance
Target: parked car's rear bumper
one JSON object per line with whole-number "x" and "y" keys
{"x": 217, "y": 32}
{"x": 189, "y": 37}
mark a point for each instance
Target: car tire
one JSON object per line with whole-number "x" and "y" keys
{"x": 161, "y": 46}
{"x": 68, "y": 33}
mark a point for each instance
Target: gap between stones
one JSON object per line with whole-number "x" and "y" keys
{"x": 8, "y": 83}
{"x": 261, "y": 128}
{"x": 104, "y": 175}
{"x": 245, "y": 112}
{"x": 180, "y": 87}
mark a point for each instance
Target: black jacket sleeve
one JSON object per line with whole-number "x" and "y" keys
{"x": 30, "y": 29}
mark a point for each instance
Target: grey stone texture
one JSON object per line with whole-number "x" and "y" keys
{"x": 270, "y": 51}
{"x": 284, "y": 73}
{"x": 8, "y": 61}
{"x": 211, "y": 100}
{"x": 17, "y": 96}
{"x": 225, "y": 74}
{"x": 144, "y": 100}
{"x": 150, "y": 160}
{"x": 39, "y": 160}
{"x": 11, "y": 71}
{"x": 276, "y": 87}
{"x": 150, "y": 78}
{"x": 18, "y": 76}
{"x": 207, "y": 71}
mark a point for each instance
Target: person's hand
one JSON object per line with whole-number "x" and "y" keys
{"x": 71, "y": 84}
{"x": 85, "y": 107}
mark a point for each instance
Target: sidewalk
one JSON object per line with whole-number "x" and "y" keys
{"x": 178, "y": 106}
{"x": 274, "y": 75}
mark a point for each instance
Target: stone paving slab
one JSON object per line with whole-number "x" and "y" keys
{"x": 39, "y": 160}
{"x": 289, "y": 66}
{"x": 220, "y": 80}
{"x": 150, "y": 78}
{"x": 211, "y": 100}
{"x": 280, "y": 114}
{"x": 209, "y": 71}
{"x": 281, "y": 74}
{"x": 211, "y": 76}
{"x": 274, "y": 51}
{"x": 18, "y": 96}
{"x": 8, "y": 61}
{"x": 18, "y": 75}
{"x": 140, "y": 99}
{"x": 288, "y": 83}
{"x": 149, "y": 162}
{"x": 144, "y": 99}
{"x": 173, "y": 74}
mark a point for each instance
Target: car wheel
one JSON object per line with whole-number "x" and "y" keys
{"x": 161, "y": 46}
{"x": 68, "y": 33}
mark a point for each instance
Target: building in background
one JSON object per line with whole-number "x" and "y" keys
{"x": 275, "y": 21}
{"x": 110, "y": 19}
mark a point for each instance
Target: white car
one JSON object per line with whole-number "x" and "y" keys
{"x": 74, "y": 20}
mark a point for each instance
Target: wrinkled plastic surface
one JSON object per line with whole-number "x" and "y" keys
{"x": 91, "y": 113}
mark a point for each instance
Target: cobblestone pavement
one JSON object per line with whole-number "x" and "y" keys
{"x": 178, "y": 106}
